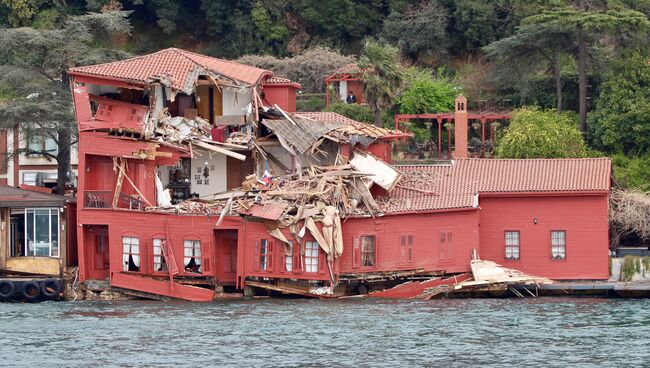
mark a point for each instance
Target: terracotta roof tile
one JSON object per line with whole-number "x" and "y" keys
{"x": 180, "y": 66}
{"x": 282, "y": 81}
{"x": 351, "y": 126}
{"x": 455, "y": 185}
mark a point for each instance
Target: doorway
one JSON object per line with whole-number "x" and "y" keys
{"x": 96, "y": 247}
{"x": 226, "y": 256}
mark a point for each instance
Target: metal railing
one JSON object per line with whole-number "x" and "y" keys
{"x": 104, "y": 199}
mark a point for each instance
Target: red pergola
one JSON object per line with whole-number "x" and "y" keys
{"x": 449, "y": 117}
{"x": 349, "y": 72}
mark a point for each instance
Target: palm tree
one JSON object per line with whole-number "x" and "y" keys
{"x": 382, "y": 76}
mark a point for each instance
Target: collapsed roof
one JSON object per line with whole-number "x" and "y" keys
{"x": 177, "y": 68}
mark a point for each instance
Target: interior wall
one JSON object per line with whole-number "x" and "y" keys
{"x": 216, "y": 169}
{"x": 234, "y": 103}
{"x": 343, "y": 90}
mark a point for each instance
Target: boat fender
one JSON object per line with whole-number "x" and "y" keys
{"x": 51, "y": 288}
{"x": 7, "y": 289}
{"x": 30, "y": 291}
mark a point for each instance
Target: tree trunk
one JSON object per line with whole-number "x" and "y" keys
{"x": 63, "y": 159}
{"x": 582, "y": 79}
{"x": 557, "y": 74}
{"x": 377, "y": 112}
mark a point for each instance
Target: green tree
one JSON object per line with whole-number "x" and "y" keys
{"x": 427, "y": 92}
{"x": 632, "y": 172}
{"x": 588, "y": 21}
{"x": 382, "y": 76}
{"x": 533, "y": 49}
{"x": 541, "y": 134}
{"x": 34, "y": 76}
{"x": 419, "y": 29}
{"x": 620, "y": 121}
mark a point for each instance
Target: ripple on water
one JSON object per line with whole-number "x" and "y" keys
{"x": 353, "y": 332}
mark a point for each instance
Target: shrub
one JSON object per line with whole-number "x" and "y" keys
{"x": 311, "y": 104}
{"x": 632, "y": 172}
{"x": 541, "y": 134}
{"x": 427, "y": 92}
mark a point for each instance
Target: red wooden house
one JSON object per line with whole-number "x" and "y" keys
{"x": 545, "y": 217}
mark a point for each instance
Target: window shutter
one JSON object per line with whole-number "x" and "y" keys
{"x": 450, "y": 245}
{"x": 282, "y": 253}
{"x": 356, "y": 252}
{"x": 256, "y": 256}
{"x": 269, "y": 257}
{"x": 297, "y": 265}
{"x": 410, "y": 249}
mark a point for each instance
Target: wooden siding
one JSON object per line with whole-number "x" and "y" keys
{"x": 584, "y": 218}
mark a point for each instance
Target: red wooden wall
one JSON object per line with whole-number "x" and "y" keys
{"x": 282, "y": 95}
{"x": 356, "y": 86}
{"x": 584, "y": 218}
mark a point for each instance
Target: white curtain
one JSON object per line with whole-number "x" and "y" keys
{"x": 188, "y": 251}
{"x": 130, "y": 247}
{"x": 135, "y": 251}
{"x": 197, "y": 252}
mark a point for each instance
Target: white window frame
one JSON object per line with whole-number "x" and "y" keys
{"x": 192, "y": 249}
{"x": 512, "y": 251}
{"x": 288, "y": 258}
{"x": 158, "y": 255}
{"x": 311, "y": 256}
{"x": 31, "y": 251}
{"x": 131, "y": 247}
{"x": 558, "y": 250}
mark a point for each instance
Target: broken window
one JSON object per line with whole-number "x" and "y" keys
{"x": 512, "y": 245}
{"x": 288, "y": 257}
{"x": 192, "y": 252}
{"x": 558, "y": 244}
{"x": 368, "y": 254}
{"x": 159, "y": 262}
{"x": 130, "y": 253}
{"x": 311, "y": 256}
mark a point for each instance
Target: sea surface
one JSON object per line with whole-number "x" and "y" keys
{"x": 563, "y": 332}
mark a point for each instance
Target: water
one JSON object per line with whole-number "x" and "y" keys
{"x": 352, "y": 332}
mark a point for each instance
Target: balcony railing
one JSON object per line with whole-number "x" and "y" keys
{"x": 104, "y": 199}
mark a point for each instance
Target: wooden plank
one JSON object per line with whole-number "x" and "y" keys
{"x": 230, "y": 120}
{"x": 224, "y": 151}
{"x": 120, "y": 180}
{"x": 158, "y": 287}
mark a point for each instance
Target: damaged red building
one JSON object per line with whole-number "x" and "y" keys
{"x": 197, "y": 178}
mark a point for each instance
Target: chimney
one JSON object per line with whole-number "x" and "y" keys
{"x": 460, "y": 127}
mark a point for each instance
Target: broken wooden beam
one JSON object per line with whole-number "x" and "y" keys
{"x": 224, "y": 151}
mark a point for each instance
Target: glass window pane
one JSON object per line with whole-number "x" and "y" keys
{"x": 55, "y": 231}
{"x": 29, "y": 230}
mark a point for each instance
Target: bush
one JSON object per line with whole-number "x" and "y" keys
{"x": 541, "y": 134}
{"x": 427, "y": 92}
{"x": 310, "y": 104}
{"x": 632, "y": 172}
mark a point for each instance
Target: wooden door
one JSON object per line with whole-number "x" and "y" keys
{"x": 237, "y": 171}
{"x": 96, "y": 247}
{"x": 226, "y": 256}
